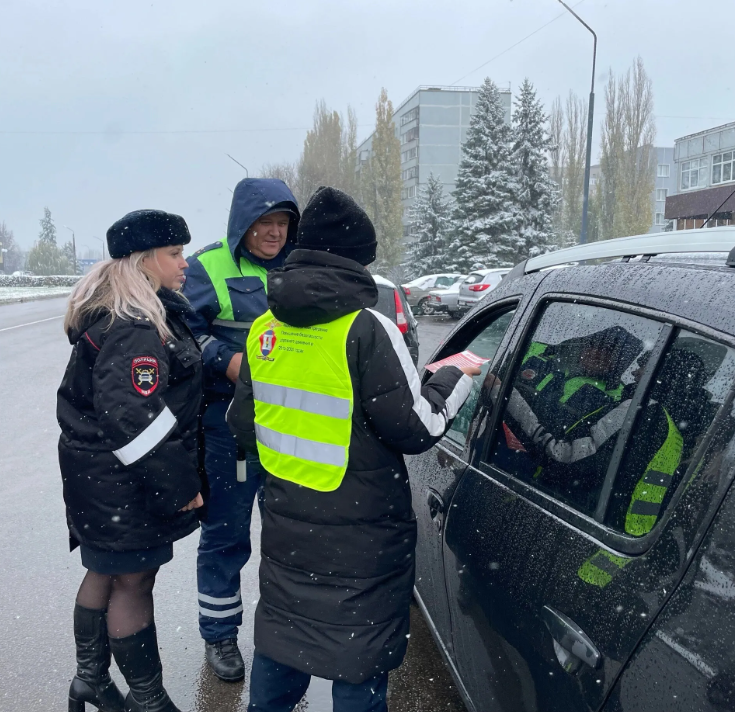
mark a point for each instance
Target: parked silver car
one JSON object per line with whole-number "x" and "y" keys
{"x": 446, "y": 301}
{"x": 417, "y": 291}
{"x": 477, "y": 285}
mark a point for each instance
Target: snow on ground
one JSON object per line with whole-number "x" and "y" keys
{"x": 17, "y": 294}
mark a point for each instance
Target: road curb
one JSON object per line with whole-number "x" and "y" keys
{"x": 20, "y": 300}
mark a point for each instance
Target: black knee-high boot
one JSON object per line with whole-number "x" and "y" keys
{"x": 140, "y": 663}
{"x": 93, "y": 683}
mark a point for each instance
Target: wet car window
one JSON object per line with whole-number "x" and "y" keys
{"x": 569, "y": 398}
{"x": 386, "y": 303}
{"x": 486, "y": 345}
{"x": 691, "y": 384}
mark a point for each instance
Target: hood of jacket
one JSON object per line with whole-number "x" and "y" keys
{"x": 252, "y": 198}
{"x": 173, "y": 303}
{"x": 315, "y": 287}
{"x": 90, "y": 319}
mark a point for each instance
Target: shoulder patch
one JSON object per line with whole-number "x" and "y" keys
{"x": 144, "y": 373}
{"x": 213, "y": 246}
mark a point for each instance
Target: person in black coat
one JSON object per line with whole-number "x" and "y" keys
{"x": 128, "y": 408}
{"x": 337, "y": 567}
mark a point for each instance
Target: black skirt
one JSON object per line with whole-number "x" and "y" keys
{"x": 115, "y": 563}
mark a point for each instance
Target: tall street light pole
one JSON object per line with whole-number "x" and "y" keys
{"x": 73, "y": 247}
{"x": 590, "y": 114}
{"x": 103, "y": 245}
{"x": 247, "y": 175}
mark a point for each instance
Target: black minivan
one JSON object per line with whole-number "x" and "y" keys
{"x": 576, "y": 524}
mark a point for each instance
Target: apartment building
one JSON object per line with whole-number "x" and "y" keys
{"x": 431, "y": 125}
{"x": 704, "y": 167}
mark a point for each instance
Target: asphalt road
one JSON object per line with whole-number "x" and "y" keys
{"x": 40, "y": 577}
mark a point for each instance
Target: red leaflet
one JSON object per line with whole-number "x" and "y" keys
{"x": 461, "y": 360}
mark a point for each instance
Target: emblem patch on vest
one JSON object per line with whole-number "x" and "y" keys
{"x": 267, "y": 343}
{"x": 145, "y": 374}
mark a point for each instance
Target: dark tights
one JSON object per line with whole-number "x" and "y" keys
{"x": 128, "y": 599}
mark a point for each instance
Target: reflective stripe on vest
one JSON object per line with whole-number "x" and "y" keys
{"x": 219, "y": 265}
{"x": 572, "y": 385}
{"x": 648, "y": 495}
{"x": 601, "y": 568}
{"x": 303, "y": 398}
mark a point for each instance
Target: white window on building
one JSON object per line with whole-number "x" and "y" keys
{"x": 694, "y": 174}
{"x": 410, "y": 116}
{"x": 664, "y": 170}
{"x": 723, "y": 167}
{"x": 410, "y": 135}
{"x": 661, "y": 193}
{"x": 407, "y": 193}
{"x": 409, "y": 173}
{"x": 660, "y": 220}
{"x": 409, "y": 155}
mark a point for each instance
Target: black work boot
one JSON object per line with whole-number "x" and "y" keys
{"x": 93, "y": 683}
{"x": 225, "y": 658}
{"x": 140, "y": 663}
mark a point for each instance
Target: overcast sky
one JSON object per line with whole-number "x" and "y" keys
{"x": 107, "y": 107}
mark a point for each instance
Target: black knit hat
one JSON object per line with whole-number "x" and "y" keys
{"x": 334, "y": 222}
{"x": 144, "y": 230}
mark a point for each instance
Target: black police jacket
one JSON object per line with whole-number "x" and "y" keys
{"x": 337, "y": 568}
{"x": 129, "y": 409}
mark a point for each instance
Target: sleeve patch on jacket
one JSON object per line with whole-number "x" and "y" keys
{"x": 145, "y": 374}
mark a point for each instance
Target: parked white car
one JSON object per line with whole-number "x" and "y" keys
{"x": 477, "y": 285}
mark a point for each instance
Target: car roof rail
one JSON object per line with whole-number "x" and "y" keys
{"x": 710, "y": 239}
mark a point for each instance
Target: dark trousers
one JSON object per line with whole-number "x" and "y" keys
{"x": 224, "y": 545}
{"x": 278, "y": 688}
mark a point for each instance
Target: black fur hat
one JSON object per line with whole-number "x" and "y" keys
{"x": 334, "y": 222}
{"x": 145, "y": 230}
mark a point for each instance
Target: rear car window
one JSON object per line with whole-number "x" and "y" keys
{"x": 570, "y": 394}
{"x": 474, "y": 278}
{"x": 691, "y": 384}
{"x": 445, "y": 281}
{"x": 386, "y": 302}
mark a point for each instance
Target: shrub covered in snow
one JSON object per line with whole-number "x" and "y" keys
{"x": 7, "y": 280}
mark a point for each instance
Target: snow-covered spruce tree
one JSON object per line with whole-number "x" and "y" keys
{"x": 486, "y": 215}
{"x": 537, "y": 192}
{"x": 430, "y": 221}
{"x": 48, "y": 229}
{"x": 45, "y": 258}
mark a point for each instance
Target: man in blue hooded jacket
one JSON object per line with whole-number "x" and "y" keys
{"x": 226, "y": 285}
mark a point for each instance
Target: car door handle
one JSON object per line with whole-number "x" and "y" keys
{"x": 571, "y": 644}
{"x": 436, "y": 508}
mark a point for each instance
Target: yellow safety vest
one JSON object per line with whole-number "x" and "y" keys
{"x": 303, "y": 399}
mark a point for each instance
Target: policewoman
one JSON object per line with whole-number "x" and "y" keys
{"x": 129, "y": 409}
{"x": 330, "y": 398}
{"x": 226, "y": 285}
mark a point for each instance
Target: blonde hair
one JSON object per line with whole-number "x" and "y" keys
{"x": 124, "y": 288}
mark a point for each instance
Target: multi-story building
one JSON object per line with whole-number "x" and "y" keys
{"x": 664, "y": 186}
{"x": 431, "y": 125}
{"x": 704, "y": 168}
